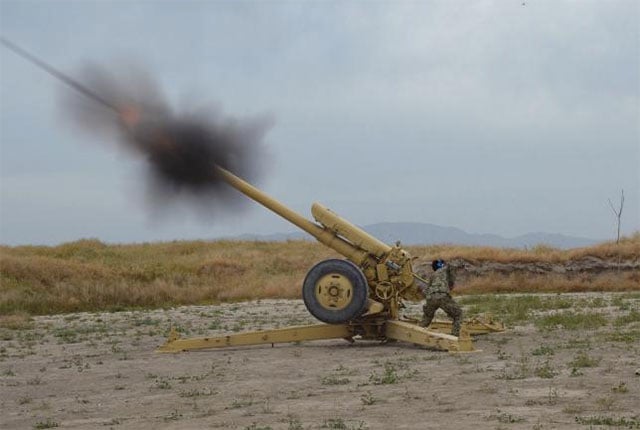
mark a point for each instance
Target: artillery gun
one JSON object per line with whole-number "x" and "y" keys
{"x": 360, "y": 296}
{"x": 357, "y": 297}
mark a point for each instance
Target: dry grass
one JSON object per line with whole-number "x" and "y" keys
{"x": 89, "y": 275}
{"x": 17, "y": 321}
{"x": 628, "y": 248}
{"x": 551, "y": 283}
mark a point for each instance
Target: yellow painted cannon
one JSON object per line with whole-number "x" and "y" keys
{"x": 359, "y": 297}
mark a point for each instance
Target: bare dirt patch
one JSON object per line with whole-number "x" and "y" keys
{"x": 100, "y": 370}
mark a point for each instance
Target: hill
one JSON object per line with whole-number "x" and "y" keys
{"x": 414, "y": 233}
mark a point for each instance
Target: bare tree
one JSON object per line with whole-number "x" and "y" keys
{"x": 618, "y": 213}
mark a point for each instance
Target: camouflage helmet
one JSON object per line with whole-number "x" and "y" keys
{"x": 437, "y": 264}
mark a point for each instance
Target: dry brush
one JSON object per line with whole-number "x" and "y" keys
{"x": 88, "y": 275}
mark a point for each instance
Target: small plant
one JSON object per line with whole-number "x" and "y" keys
{"x": 620, "y": 303}
{"x": 255, "y": 426}
{"x": 606, "y": 403}
{"x": 489, "y": 389}
{"x": 48, "y": 424}
{"x": 620, "y": 388}
{"x": 582, "y": 359}
{"x": 197, "y": 392}
{"x": 294, "y": 423}
{"x": 340, "y": 424}
{"x": 545, "y": 371}
{"x": 368, "y": 399}
{"x": 339, "y": 376}
{"x": 576, "y": 372}
{"x": 573, "y": 409}
{"x": 389, "y": 376}
{"x": 36, "y": 380}
{"x": 216, "y": 324}
{"x": 630, "y": 423}
{"x": 632, "y": 317}
{"x": 163, "y": 384}
{"x": 521, "y": 370}
{"x": 503, "y": 355}
{"x": 66, "y": 335}
{"x": 341, "y": 370}
{"x": 627, "y": 336}
{"x": 578, "y": 344}
{"x": 407, "y": 395}
{"x": 523, "y": 366}
{"x": 543, "y": 350}
{"x": 334, "y": 380}
{"x": 507, "y": 418}
{"x": 173, "y": 416}
{"x": 241, "y": 403}
{"x": 266, "y": 407}
{"x": 552, "y": 396}
{"x": 146, "y": 321}
{"x": 335, "y": 424}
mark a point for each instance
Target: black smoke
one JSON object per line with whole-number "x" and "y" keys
{"x": 179, "y": 149}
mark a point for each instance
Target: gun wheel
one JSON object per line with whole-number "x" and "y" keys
{"x": 335, "y": 291}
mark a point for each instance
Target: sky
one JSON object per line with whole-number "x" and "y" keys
{"x": 503, "y": 117}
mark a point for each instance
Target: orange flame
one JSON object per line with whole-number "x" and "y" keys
{"x": 130, "y": 115}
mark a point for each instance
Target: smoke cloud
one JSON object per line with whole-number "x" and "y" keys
{"x": 180, "y": 149}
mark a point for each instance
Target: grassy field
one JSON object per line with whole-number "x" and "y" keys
{"x": 88, "y": 275}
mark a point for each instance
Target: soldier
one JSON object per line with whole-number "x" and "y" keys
{"x": 437, "y": 293}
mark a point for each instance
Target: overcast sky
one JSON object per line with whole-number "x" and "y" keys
{"x": 490, "y": 116}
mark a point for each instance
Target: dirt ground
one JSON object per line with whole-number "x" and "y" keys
{"x": 100, "y": 370}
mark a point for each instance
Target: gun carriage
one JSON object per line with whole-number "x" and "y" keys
{"x": 358, "y": 297}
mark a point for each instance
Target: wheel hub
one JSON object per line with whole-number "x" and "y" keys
{"x": 334, "y": 291}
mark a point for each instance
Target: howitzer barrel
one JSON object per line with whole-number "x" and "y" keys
{"x": 353, "y": 234}
{"x": 324, "y": 236}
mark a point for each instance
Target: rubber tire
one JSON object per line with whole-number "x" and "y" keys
{"x": 360, "y": 291}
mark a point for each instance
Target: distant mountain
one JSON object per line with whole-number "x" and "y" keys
{"x": 414, "y": 233}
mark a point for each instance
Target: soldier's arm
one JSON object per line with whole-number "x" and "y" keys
{"x": 451, "y": 277}
{"x": 424, "y": 286}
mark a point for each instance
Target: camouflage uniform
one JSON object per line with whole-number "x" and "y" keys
{"x": 437, "y": 294}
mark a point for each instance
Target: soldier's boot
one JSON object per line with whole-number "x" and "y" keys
{"x": 424, "y": 322}
{"x": 454, "y": 311}
{"x": 428, "y": 314}
{"x": 455, "y": 330}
